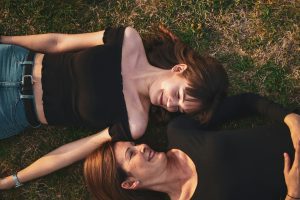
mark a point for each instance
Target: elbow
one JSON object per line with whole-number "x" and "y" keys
{"x": 54, "y": 43}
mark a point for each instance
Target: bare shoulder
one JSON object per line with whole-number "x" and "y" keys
{"x": 133, "y": 53}
{"x": 132, "y": 40}
{"x": 132, "y": 34}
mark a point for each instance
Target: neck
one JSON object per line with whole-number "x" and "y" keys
{"x": 178, "y": 175}
{"x": 145, "y": 76}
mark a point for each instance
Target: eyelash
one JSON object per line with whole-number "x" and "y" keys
{"x": 178, "y": 96}
{"x": 131, "y": 154}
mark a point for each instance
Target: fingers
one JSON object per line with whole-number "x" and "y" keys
{"x": 287, "y": 164}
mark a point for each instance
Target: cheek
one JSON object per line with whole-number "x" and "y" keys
{"x": 140, "y": 171}
{"x": 166, "y": 84}
{"x": 170, "y": 90}
{"x": 137, "y": 164}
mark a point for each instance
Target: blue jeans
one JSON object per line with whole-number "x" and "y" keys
{"x": 12, "y": 112}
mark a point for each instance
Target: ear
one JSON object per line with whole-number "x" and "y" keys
{"x": 179, "y": 68}
{"x": 130, "y": 184}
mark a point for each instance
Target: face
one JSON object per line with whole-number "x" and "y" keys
{"x": 170, "y": 93}
{"x": 139, "y": 161}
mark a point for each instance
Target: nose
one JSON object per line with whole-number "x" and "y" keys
{"x": 142, "y": 148}
{"x": 172, "y": 104}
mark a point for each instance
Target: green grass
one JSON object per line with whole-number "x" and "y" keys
{"x": 258, "y": 42}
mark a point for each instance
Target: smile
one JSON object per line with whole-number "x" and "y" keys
{"x": 151, "y": 155}
{"x": 161, "y": 98}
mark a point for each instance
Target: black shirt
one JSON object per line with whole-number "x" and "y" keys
{"x": 236, "y": 164}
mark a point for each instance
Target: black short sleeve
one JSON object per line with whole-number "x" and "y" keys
{"x": 120, "y": 132}
{"x": 113, "y": 35}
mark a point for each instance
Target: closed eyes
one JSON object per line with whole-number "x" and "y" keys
{"x": 178, "y": 96}
{"x": 131, "y": 154}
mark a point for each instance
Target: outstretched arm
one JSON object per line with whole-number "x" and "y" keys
{"x": 55, "y": 42}
{"x": 59, "y": 158}
{"x": 248, "y": 104}
{"x": 292, "y": 120}
{"x": 292, "y": 175}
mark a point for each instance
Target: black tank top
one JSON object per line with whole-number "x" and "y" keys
{"x": 84, "y": 88}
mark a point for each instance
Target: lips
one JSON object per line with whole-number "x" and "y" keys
{"x": 151, "y": 155}
{"x": 161, "y": 99}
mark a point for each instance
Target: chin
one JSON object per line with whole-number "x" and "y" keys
{"x": 160, "y": 156}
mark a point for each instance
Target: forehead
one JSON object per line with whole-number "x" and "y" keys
{"x": 119, "y": 151}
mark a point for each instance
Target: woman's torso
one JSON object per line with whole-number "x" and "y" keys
{"x": 140, "y": 115}
{"x": 37, "y": 87}
{"x": 239, "y": 164}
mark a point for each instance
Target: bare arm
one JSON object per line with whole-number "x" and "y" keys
{"x": 59, "y": 158}
{"x": 247, "y": 104}
{"x": 55, "y": 42}
{"x": 292, "y": 120}
{"x": 292, "y": 174}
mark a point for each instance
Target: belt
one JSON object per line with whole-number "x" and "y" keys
{"x": 27, "y": 95}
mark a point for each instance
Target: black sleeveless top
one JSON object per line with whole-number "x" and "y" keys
{"x": 84, "y": 88}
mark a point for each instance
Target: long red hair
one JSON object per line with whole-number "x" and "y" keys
{"x": 103, "y": 178}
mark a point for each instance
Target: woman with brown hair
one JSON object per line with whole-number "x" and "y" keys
{"x": 105, "y": 81}
{"x": 203, "y": 164}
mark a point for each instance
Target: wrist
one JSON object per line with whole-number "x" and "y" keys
{"x": 16, "y": 180}
{"x": 291, "y": 197}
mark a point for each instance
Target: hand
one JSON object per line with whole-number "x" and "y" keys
{"x": 292, "y": 174}
{"x": 293, "y": 122}
{"x": 6, "y": 183}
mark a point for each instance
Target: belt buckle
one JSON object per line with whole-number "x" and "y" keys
{"x": 27, "y": 76}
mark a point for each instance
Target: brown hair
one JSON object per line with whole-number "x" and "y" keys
{"x": 208, "y": 81}
{"x": 104, "y": 178}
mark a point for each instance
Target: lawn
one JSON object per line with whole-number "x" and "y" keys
{"x": 258, "y": 42}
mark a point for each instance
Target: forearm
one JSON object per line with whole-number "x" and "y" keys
{"x": 55, "y": 42}
{"x": 39, "y": 43}
{"x": 246, "y": 105}
{"x": 59, "y": 158}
